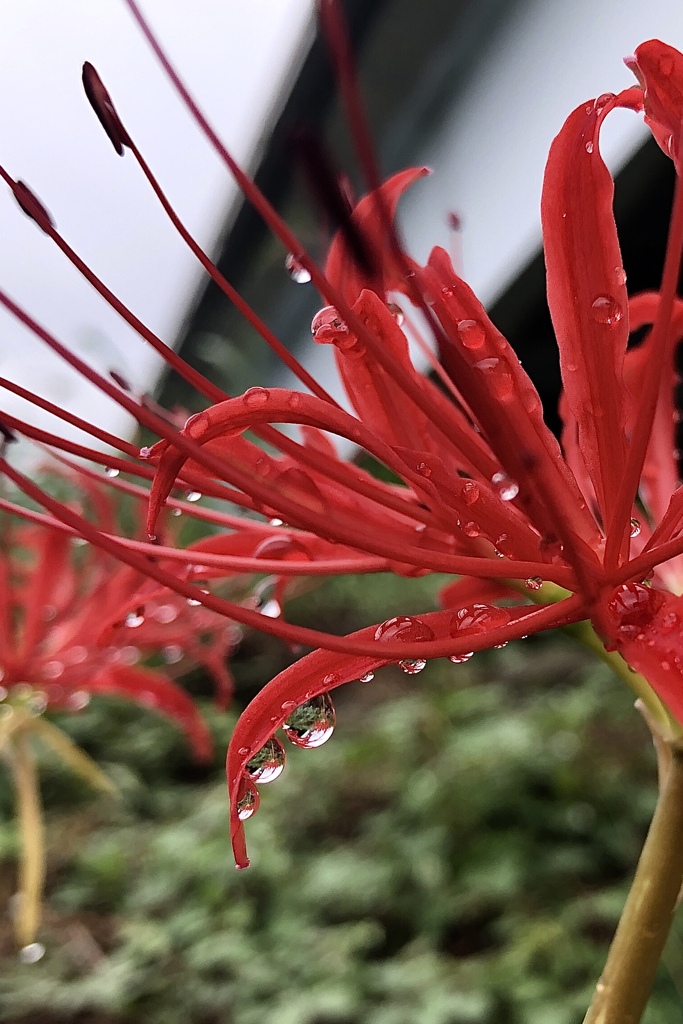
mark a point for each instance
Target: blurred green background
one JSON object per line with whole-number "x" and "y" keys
{"x": 457, "y": 853}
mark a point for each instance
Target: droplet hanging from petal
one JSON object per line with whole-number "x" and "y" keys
{"x": 268, "y": 764}
{"x": 312, "y": 723}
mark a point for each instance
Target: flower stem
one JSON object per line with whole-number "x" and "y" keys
{"x": 32, "y": 864}
{"x": 624, "y": 987}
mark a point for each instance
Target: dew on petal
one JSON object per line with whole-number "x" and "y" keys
{"x": 296, "y": 270}
{"x": 268, "y": 764}
{"x": 460, "y": 659}
{"x": 367, "y": 677}
{"x": 412, "y": 666}
{"x": 404, "y": 627}
{"x": 312, "y": 723}
{"x": 471, "y": 334}
{"x": 470, "y": 492}
{"x": 589, "y": 147}
{"x": 248, "y": 800}
{"x": 256, "y": 398}
{"x": 478, "y": 618}
{"x": 506, "y": 487}
{"x": 606, "y": 310}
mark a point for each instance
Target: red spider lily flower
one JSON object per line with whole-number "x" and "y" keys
{"x": 487, "y": 493}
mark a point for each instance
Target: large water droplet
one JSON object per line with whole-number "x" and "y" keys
{"x": 634, "y": 606}
{"x": 471, "y": 334}
{"x": 478, "y": 618}
{"x": 606, "y": 310}
{"x": 32, "y": 953}
{"x": 268, "y": 764}
{"x": 296, "y": 270}
{"x": 506, "y": 487}
{"x": 248, "y": 800}
{"x": 312, "y": 723}
{"x": 408, "y": 628}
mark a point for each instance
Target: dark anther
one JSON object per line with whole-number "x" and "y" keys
{"x": 326, "y": 185}
{"x": 100, "y": 101}
{"x": 454, "y": 221}
{"x": 32, "y": 206}
{"x": 121, "y": 381}
{"x": 8, "y": 436}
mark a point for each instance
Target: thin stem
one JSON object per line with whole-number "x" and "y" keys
{"x": 32, "y": 863}
{"x": 624, "y": 987}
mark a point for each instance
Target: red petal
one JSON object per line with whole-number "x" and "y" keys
{"x": 587, "y": 295}
{"x": 659, "y": 69}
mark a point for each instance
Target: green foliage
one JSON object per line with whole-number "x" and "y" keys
{"x": 458, "y": 853}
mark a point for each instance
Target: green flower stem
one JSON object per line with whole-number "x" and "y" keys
{"x": 624, "y": 987}
{"x": 32, "y": 862}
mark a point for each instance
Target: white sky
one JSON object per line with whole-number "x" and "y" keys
{"x": 236, "y": 57}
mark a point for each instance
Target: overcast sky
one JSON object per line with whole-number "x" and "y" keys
{"x": 237, "y": 58}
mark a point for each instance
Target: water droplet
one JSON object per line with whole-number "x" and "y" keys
{"x": 256, "y": 398}
{"x": 176, "y": 512}
{"x": 589, "y": 147}
{"x": 275, "y": 522}
{"x": 478, "y": 618}
{"x": 248, "y": 800}
{"x": 470, "y": 492}
{"x": 296, "y": 270}
{"x": 471, "y": 529}
{"x": 52, "y": 669}
{"x": 268, "y": 764}
{"x": 327, "y": 327}
{"x": 404, "y": 627}
{"x": 192, "y": 495}
{"x": 635, "y": 527}
{"x": 367, "y": 677}
{"x": 606, "y": 310}
{"x": 533, "y": 583}
{"x": 145, "y": 453}
{"x": 111, "y": 472}
{"x": 32, "y": 953}
{"x": 312, "y": 723}
{"x": 460, "y": 659}
{"x": 38, "y": 702}
{"x": 77, "y": 700}
{"x": 411, "y": 666}
{"x": 471, "y": 333}
{"x": 603, "y": 100}
{"x": 620, "y": 275}
{"x": 165, "y": 613}
{"x": 134, "y": 619}
{"x": 501, "y": 384}
{"x": 424, "y": 469}
{"x": 507, "y": 488}
{"x": 488, "y": 364}
{"x": 263, "y": 466}
{"x": 396, "y": 312}
{"x": 172, "y": 654}
{"x": 193, "y": 602}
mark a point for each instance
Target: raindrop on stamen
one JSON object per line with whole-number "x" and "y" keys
{"x": 606, "y": 310}
{"x": 396, "y": 312}
{"x": 144, "y": 453}
{"x": 134, "y": 619}
{"x": 506, "y": 487}
{"x": 32, "y": 953}
{"x": 192, "y": 495}
{"x": 635, "y": 527}
{"x": 111, "y": 472}
{"x": 268, "y": 764}
{"x": 296, "y": 270}
{"x": 312, "y": 723}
